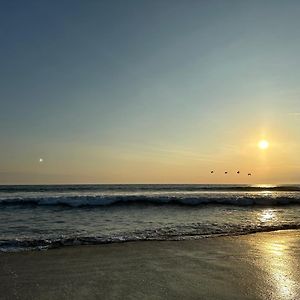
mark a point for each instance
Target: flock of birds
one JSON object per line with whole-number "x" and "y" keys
{"x": 226, "y": 172}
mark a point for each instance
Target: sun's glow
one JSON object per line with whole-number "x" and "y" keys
{"x": 263, "y": 144}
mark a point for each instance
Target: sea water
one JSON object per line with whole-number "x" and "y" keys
{"x": 48, "y": 216}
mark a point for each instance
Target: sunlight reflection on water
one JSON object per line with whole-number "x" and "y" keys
{"x": 267, "y": 215}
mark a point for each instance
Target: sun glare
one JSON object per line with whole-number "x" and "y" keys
{"x": 263, "y": 144}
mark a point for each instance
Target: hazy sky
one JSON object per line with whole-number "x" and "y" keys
{"x": 149, "y": 91}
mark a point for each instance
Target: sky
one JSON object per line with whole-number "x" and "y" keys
{"x": 143, "y": 91}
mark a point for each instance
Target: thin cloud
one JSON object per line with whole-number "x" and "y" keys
{"x": 295, "y": 114}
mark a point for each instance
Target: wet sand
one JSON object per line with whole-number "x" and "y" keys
{"x": 256, "y": 266}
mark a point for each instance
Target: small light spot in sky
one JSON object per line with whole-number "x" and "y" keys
{"x": 41, "y": 160}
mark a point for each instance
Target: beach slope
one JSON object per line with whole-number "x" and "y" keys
{"x": 256, "y": 266}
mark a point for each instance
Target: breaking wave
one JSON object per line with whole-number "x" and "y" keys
{"x": 98, "y": 200}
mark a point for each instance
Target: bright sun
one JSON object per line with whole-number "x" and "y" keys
{"x": 263, "y": 144}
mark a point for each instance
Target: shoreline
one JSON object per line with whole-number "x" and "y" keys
{"x": 84, "y": 242}
{"x": 253, "y": 266}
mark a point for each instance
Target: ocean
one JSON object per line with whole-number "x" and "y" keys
{"x": 48, "y": 216}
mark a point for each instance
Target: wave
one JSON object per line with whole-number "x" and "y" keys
{"x": 98, "y": 200}
{"x": 163, "y": 234}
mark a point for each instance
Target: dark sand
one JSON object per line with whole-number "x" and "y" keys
{"x": 257, "y": 266}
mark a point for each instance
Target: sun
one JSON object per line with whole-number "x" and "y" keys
{"x": 263, "y": 144}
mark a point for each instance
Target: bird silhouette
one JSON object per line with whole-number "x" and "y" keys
{"x": 211, "y": 172}
{"x": 226, "y": 172}
{"x": 249, "y": 174}
{"x": 238, "y": 172}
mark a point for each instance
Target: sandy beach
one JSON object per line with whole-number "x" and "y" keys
{"x": 256, "y": 266}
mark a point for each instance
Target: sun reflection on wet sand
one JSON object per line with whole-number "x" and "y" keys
{"x": 276, "y": 258}
{"x": 280, "y": 267}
